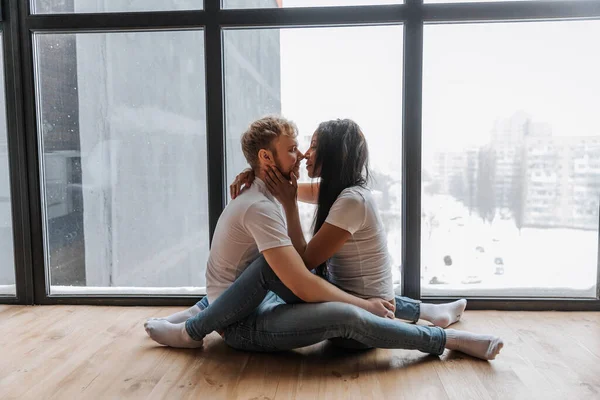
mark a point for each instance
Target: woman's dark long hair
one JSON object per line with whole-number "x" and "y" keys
{"x": 343, "y": 158}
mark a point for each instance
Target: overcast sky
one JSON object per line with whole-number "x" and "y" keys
{"x": 474, "y": 74}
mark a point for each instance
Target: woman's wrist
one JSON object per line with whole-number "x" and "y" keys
{"x": 290, "y": 206}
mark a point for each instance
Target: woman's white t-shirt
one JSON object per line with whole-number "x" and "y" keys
{"x": 363, "y": 265}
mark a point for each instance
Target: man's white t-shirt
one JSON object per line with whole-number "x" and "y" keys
{"x": 250, "y": 224}
{"x": 363, "y": 266}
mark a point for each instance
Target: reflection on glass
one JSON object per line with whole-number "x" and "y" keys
{"x": 7, "y": 262}
{"x": 123, "y": 145}
{"x": 317, "y": 74}
{"x": 104, "y": 6}
{"x": 237, "y": 4}
{"x": 482, "y": 1}
{"x": 511, "y": 159}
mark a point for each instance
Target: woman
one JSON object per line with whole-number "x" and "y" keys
{"x": 348, "y": 232}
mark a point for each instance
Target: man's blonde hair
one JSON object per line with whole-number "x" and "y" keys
{"x": 261, "y": 134}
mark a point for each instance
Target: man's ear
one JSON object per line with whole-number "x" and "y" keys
{"x": 266, "y": 157}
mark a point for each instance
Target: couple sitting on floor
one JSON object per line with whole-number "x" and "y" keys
{"x": 270, "y": 290}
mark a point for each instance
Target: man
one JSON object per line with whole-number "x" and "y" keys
{"x": 253, "y": 224}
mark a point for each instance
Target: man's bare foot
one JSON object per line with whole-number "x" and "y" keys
{"x": 172, "y": 335}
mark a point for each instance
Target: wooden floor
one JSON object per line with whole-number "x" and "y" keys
{"x": 80, "y": 352}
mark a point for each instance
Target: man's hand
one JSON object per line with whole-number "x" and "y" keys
{"x": 286, "y": 191}
{"x": 246, "y": 177}
{"x": 381, "y": 308}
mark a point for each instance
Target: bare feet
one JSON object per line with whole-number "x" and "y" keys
{"x": 486, "y": 347}
{"x": 443, "y": 315}
{"x": 172, "y": 335}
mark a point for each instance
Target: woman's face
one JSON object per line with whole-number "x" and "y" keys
{"x": 311, "y": 157}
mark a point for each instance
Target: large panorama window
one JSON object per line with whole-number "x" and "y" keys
{"x": 132, "y": 112}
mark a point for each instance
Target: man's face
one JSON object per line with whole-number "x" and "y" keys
{"x": 287, "y": 155}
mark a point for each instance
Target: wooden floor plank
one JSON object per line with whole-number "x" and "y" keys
{"x": 459, "y": 379}
{"x": 45, "y": 338}
{"x": 545, "y": 356}
{"x": 568, "y": 348}
{"x": 503, "y": 378}
{"x": 64, "y": 352}
{"x": 91, "y": 335}
{"x": 108, "y": 364}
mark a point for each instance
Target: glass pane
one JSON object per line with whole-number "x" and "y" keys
{"x": 483, "y": 1}
{"x": 123, "y": 144}
{"x": 511, "y": 159}
{"x": 103, "y": 6}
{"x": 228, "y": 4}
{"x": 7, "y": 262}
{"x": 317, "y": 74}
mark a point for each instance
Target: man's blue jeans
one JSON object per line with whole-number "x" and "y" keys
{"x": 259, "y": 313}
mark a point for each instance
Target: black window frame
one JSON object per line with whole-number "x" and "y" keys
{"x": 18, "y": 26}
